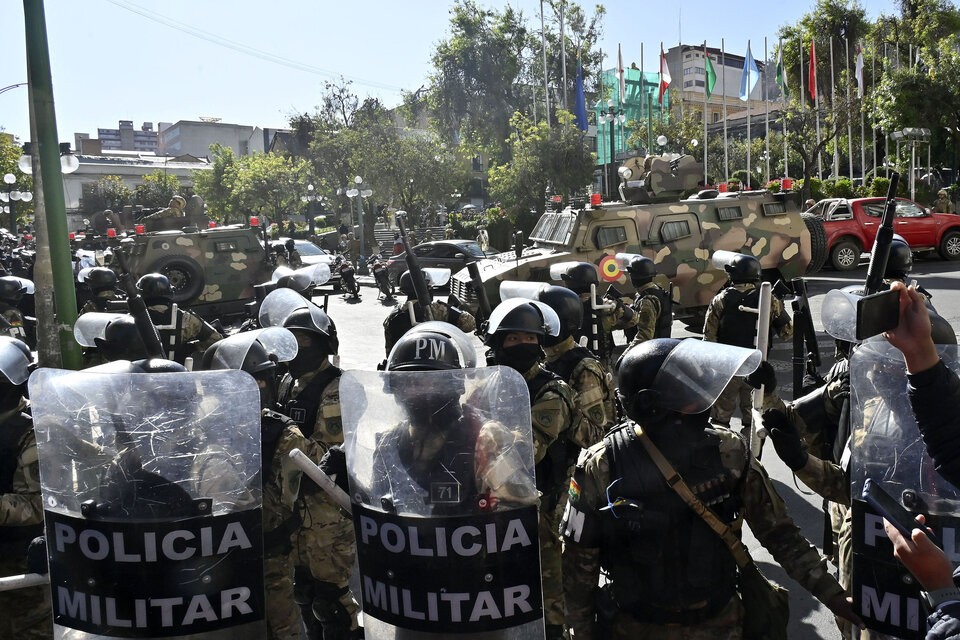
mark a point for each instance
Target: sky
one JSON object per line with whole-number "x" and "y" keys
{"x": 257, "y": 62}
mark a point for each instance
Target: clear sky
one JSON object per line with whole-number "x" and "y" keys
{"x": 257, "y": 62}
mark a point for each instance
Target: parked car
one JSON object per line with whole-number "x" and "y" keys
{"x": 851, "y": 226}
{"x": 309, "y": 252}
{"x": 822, "y": 206}
{"x": 449, "y": 254}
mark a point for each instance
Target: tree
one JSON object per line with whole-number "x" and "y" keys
{"x": 156, "y": 189}
{"x": 542, "y": 157}
{"x": 269, "y": 184}
{"x": 10, "y": 152}
{"x": 108, "y": 192}
{"x": 217, "y": 185}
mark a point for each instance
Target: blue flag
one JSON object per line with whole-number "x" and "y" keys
{"x": 580, "y": 111}
{"x": 750, "y": 77}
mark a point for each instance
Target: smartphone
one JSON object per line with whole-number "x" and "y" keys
{"x": 877, "y": 313}
{"x": 891, "y": 509}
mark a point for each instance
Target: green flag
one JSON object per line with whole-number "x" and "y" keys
{"x": 711, "y": 77}
{"x": 782, "y": 75}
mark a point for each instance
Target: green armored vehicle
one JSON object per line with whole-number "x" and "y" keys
{"x": 212, "y": 271}
{"x": 680, "y": 236}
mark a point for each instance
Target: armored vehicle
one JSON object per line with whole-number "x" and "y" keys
{"x": 212, "y": 271}
{"x": 679, "y": 235}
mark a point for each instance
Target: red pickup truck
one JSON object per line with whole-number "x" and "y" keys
{"x": 851, "y": 227}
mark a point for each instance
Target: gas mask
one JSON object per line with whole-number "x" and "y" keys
{"x": 521, "y": 357}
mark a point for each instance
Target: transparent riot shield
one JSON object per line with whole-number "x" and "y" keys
{"x": 886, "y": 446}
{"x": 444, "y": 503}
{"x": 152, "y": 503}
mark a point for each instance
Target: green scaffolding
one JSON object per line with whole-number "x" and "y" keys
{"x": 640, "y": 104}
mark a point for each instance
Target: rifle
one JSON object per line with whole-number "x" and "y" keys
{"x": 757, "y": 433}
{"x": 881, "y": 245}
{"x": 476, "y": 284}
{"x": 422, "y": 304}
{"x": 806, "y": 350}
{"x": 137, "y": 308}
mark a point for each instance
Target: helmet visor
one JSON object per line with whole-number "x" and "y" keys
{"x": 14, "y": 364}
{"x": 92, "y": 325}
{"x": 838, "y": 314}
{"x": 231, "y": 352}
{"x": 549, "y": 317}
{"x": 696, "y": 372}
{"x": 517, "y": 289}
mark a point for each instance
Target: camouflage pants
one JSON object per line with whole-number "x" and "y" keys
{"x": 283, "y": 616}
{"x": 726, "y": 625}
{"x": 325, "y": 543}
{"x": 738, "y": 392}
{"x": 25, "y": 614}
{"x": 554, "y": 609}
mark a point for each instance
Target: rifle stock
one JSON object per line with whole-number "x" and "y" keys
{"x": 881, "y": 245}
{"x": 419, "y": 282}
{"x": 481, "y": 293}
{"x": 138, "y": 309}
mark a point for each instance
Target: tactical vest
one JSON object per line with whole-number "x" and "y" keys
{"x": 568, "y": 366}
{"x": 665, "y": 320}
{"x": 738, "y": 328}
{"x": 303, "y": 409}
{"x": 666, "y": 565}
{"x": 12, "y": 432}
{"x": 551, "y": 471}
{"x": 276, "y": 541}
{"x": 170, "y": 329}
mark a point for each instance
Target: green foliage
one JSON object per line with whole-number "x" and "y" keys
{"x": 216, "y": 186}
{"x": 108, "y": 192}
{"x": 156, "y": 189}
{"x": 10, "y": 152}
{"x": 839, "y": 188}
{"x": 812, "y": 187}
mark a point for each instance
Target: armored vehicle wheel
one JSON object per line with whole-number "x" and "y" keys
{"x": 185, "y": 275}
{"x": 818, "y": 242}
{"x": 950, "y": 246}
{"x": 845, "y": 255}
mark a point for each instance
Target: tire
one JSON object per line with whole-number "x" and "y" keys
{"x": 950, "y": 245}
{"x": 185, "y": 275}
{"x": 818, "y": 242}
{"x": 845, "y": 255}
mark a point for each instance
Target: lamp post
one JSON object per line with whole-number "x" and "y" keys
{"x": 912, "y": 135}
{"x": 359, "y": 193}
{"x": 311, "y": 197}
{"x": 612, "y": 116}
{"x": 9, "y": 196}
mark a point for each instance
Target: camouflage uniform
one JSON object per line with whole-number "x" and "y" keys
{"x": 195, "y": 334}
{"x": 165, "y": 218}
{"x": 660, "y": 561}
{"x": 592, "y": 384}
{"x": 24, "y": 613}
{"x": 98, "y": 303}
{"x": 397, "y": 321}
{"x": 598, "y": 326}
{"x": 551, "y": 411}
{"x": 943, "y": 204}
{"x": 325, "y": 542}
{"x": 738, "y": 391}
{"x": 648, "y": 312}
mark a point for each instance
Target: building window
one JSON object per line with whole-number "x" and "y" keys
{"x": 477, "y": 163}
{"x": 687, "y": 56}
{"x": 716, "y": 117}
{"x": 698, "y": 83}
{"x": 688, "y": 83}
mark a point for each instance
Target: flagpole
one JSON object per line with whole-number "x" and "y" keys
{"x": 816, "y": 104}
{"x": 873, "y": 122}
{"x": 706, "y": 97}
{"x": 723, "y": 94}
{"x": 543, "y": 43}
{"x": 803, "y": 95}
{"x": 746, "y": 72}
{"x": 846, "y": 64}
{"x": 660, "y": 108}
{"x": 783, "y": 111}
{"x": 835, "y": 170}
{"x": 680, "y": 57}
{"x": 766, "y": 109}
{"x": 886, "y": 138}
{"x": 563, "y": 55}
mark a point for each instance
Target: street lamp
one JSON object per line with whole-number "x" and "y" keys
{"x": 359, "y": 193}
{"x": 68, "y": 161}
{"x": 11, "y": 195}
{"x": 611, "y": 117}
{"x": 913, "y": 135}
{"x": 662, "y": 143}
{"x": 311, "y": 197}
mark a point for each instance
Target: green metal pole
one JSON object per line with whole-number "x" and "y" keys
{"x": 48, "y": 151}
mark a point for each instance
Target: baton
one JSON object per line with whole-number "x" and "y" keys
{"x": 22, "y": 581}
{"x": 324, "y": 481}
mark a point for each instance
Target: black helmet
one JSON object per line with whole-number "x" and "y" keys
{"x": 406, "y": 284}
{"x": 636, "y": 370}
{"x": 318, "y": 324}
{"x": 155, "y": 288}
{"x": 569, "y": 308}
{"x": 430, "y": 350}
{"x": 290, "y": 244}
{"x": 11, "y": 289}
{"x": 121, "y": 340}
{"x": 900, "y": 261}
{"x": 641, "y": 270}
{"x": 580, "y": 276}
{"x": 743, "y": 268}
{"x": 257, "y": 359}
{"x": 100, "y": 279}
{"x": 525, "y": 318}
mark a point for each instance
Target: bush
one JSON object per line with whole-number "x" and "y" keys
{"x": 814, "y": 188}
{"x": 879, "y": 186}
{"x": 839, "y": 188}
{"x": 773, "y": 186}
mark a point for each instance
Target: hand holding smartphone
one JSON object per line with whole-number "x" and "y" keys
{"x": 895, "y": 513}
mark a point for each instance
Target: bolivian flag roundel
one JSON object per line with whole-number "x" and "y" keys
{"x": 610, "y": 269}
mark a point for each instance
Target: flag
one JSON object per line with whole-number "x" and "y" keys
{"x": 782, "y": 75}
{"x": 580, "y": 110}
{"x": 812, "y": 71}
{"x": 620, "y": 76}
{"x": 859, "y": 71}
{"x": 711, "y": 81}
{"x": 750, "y": 77}
{"x": 665, "y": 78}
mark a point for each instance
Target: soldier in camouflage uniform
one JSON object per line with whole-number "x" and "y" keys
{"x": 515, "y": 342}
{"x": 652, "y": 305}
{"x": 182, "y": 332}
{"x": 280, "y": 478}
{"x": 398, "y": 321}
{"x": 598, "y": 325}
{"x": 102, "y": 283}
{"x": 11, "y": 291}
{"x": 670, "y": 575}
{"x": 24, "y": 613}
{"x": 324, "y": 545}
{"x": 166, "y": 218}
{"x": 726, "y": 323}
{"x": 943, "y": 203}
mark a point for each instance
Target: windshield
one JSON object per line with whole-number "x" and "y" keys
{"x": 472, "y": 249}
{"x": 306, "y": 248}
{"x": 553, "y": 228}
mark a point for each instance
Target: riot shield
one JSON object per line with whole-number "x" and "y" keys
{"x": 444, "y": 503}
{"x": 886, "y": 446}
{"x": 302, "y": 279}
{"x": 92, "y": 325}
{"x": 152, "y": 503}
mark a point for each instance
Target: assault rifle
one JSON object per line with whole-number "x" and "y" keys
{"x": 806, "y": 351}
{"x": 881, "y": 245}
{"x": 422, "y": 304}
{"x": 137, "y": 308}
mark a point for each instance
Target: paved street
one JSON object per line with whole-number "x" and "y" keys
{"x": 361, "y": 347}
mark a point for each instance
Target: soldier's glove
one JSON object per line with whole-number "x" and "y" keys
{"x": 334, "y": 464}
{"x": 785, "y": 438}
{"x": 764, "y": 377}
{"x": 37, "y": 556}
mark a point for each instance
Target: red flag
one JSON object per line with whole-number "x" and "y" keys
{"x": 812, "y": 70}
{"x": 620, "y": 77}
{"x": 665, "y": 78}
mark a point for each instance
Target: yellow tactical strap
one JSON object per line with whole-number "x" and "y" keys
{"x": 674, "y": 479}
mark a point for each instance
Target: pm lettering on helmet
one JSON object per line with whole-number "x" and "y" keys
{"x": 434, "y": 349}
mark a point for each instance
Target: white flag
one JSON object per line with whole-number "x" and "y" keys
{"x": 859, "y": 71}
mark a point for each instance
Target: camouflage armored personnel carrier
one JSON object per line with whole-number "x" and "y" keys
{"x": 678, "y": 235}
{"x": 212, "y": 271}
